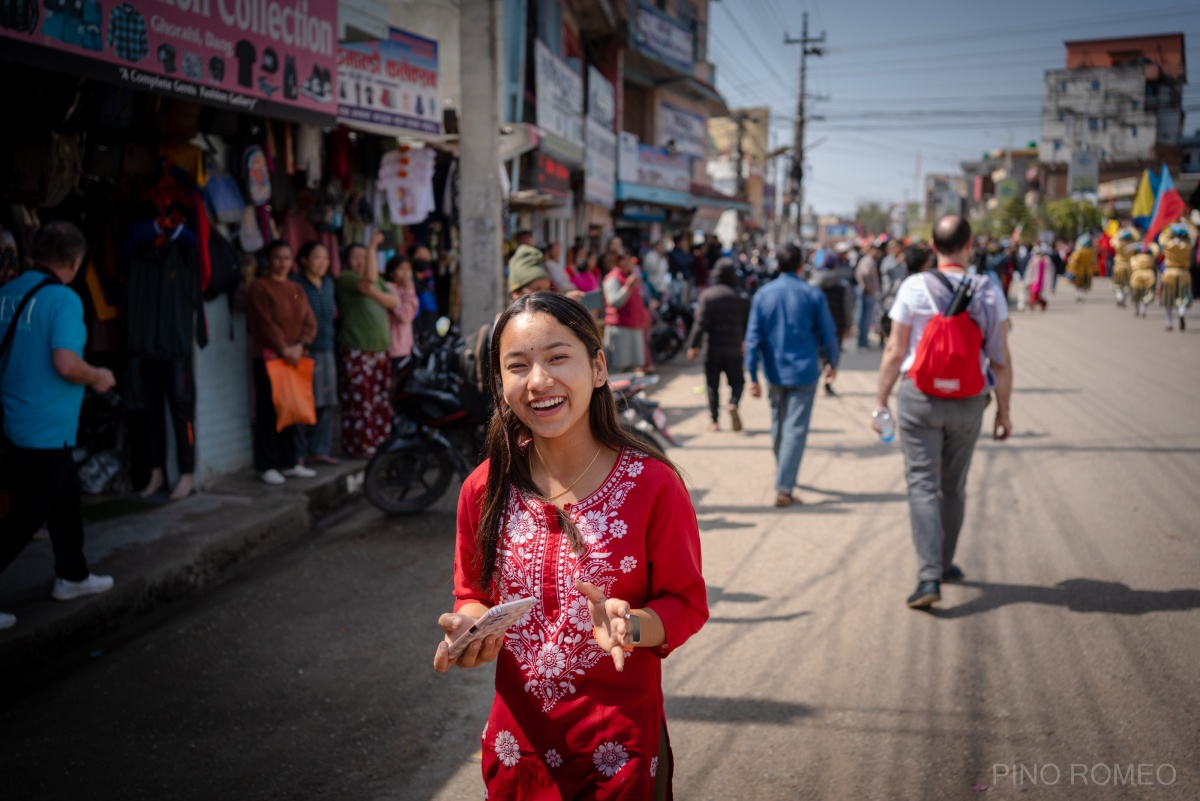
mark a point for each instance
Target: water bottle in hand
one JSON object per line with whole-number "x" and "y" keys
{"x": 883, "y": 421}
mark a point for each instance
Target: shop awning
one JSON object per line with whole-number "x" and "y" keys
{"x": 397, "y": 133}
{"x": 648, "y": 71}
{"x": 653, "y": 195}
{"x": 533, "y": 199}
{"x": 708, "y": 197}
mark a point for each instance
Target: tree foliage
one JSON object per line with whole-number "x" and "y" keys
{"x": 872, "y": 218}
{"x": 1069, "y": 218}
{"x": 1015, "y": 214}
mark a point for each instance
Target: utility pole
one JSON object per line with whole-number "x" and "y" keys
{"x": 480, "y": 273}
{"x": 808, "y": 47}
{"x": 740, "y": 119}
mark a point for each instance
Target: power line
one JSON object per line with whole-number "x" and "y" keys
{"x": 1066, "y": 24}
{"x": 750, "y": 44}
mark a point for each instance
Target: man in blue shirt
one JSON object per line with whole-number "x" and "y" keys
{"x": 790, "y": 328}
{"x": 41, "y": 387}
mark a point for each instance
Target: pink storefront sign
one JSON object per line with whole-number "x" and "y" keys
{"x": 269, "y": 57}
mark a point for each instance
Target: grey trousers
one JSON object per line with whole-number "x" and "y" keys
{"x": 939, "y": 440}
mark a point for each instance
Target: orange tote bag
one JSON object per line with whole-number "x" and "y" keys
{"x": 292, "y": 392}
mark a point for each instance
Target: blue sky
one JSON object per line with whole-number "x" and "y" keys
{"x": 948, "y": 80}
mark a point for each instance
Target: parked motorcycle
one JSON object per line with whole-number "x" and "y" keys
{"x": 640, "y": 416}
{"x": 441, "y": 425}
{"x": 672, "y": 325}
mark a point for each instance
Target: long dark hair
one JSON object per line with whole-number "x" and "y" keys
{"x": 508, "y": 466}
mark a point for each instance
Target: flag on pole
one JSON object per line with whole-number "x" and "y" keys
{"x": 1143, "y": 202}
{"x": 1168, "y": 206}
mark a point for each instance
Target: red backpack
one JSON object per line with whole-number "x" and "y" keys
{"x": 947, "y": 360}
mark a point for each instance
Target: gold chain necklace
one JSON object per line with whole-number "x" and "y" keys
{"x": 542, "y": 459}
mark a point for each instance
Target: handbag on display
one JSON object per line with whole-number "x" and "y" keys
{"x": 225, "y": 198}
{"x": 250, "y": 236}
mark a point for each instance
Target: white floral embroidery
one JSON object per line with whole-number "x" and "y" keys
{"x": 610, "y": 758}
{"x": 551, "y": 661}
{"x": 521, "y": 528}
{"x": 507, "y": 748}
{"x": 653, "y": 767}
{"x": 634, "y": 470}
{"x": 580, "y": 614}
{"x": 553, "y": 758}
{"x": 594, "y": 525}
{"x": 553, "y": 642}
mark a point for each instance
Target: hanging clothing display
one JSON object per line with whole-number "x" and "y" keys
{"x": 163, "y": 317}
{"x": 406, "y": 178}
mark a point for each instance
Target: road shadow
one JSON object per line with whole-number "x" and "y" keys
{"x": 1047, "y": 390}
{"x": 764, "y": 619}
{"x": 720, "y": 523}
{"x": 767, "y": 507}
{"x": 1076, "y": 595}
{"x": 718, "y": 595}
{"x": 699, "y": 709}
{"x": 836, "y": 496}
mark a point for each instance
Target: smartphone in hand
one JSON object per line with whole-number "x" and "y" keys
{"x": 496, "y": 620}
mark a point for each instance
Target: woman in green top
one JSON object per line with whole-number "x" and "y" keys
{"x": 364, "y": 301}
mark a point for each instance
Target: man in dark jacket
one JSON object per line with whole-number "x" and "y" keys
{"x": 719, "y": 329}
{"x": 835, "y": 279}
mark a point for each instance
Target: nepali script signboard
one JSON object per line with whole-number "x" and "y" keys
{"x": 269, "y": 57}
{"x": 559, "y": 97}
{"x": 393, "y": 83}
{"x": 664, "y": 38}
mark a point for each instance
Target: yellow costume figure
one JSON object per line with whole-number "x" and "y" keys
{"x": 1082, "y": 266}
{"x": 1125, "y": 244}
{"x": 1177, "y": 242}
{"x": 1142, "y": 279}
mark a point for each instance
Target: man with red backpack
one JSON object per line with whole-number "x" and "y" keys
{"x": 949, "y": 343}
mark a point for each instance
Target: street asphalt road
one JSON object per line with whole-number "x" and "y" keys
{"x": 1067, "y": 666}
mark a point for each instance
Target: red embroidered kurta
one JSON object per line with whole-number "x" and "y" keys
{"x": 565, "y": 724}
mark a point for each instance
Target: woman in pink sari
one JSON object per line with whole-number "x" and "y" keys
{"x": 586, "y": 274}
{"x": 1038, "y": 276}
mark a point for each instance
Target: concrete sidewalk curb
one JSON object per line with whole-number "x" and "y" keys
{"x": 173, "y": 552}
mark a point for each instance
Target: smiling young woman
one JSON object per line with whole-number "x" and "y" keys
{"x": 600, "y": 531}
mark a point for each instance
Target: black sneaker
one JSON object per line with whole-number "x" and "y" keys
{"x": 952, "y": 573}
{"x": 928, "y": 593}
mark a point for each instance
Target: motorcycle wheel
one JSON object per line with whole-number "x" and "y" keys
{"x": 407, "y": 480}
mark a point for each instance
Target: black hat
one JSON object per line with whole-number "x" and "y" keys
{"x": 270, "y": 61}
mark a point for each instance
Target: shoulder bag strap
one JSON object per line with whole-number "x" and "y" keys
{"x": 945, "y": 282}
{"x": 12, "y": 327}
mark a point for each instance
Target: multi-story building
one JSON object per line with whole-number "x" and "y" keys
{"x": 944, "y": 194}
{"x": 666, "y": 98}
{"x": 998, "y": 176}
{"x": 1118, "y": 100}
{"x": 741, "y": 138}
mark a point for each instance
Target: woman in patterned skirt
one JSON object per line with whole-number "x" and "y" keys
{"x": 600, "y": 531}
{"x": 1082, "y": 266}
{"x": 365, "y": 374}
{"x": 1177, "y": 243}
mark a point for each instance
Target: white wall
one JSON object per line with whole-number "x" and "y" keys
{"x": 223, "y": 437}
{"x": 1107, "y": 95}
